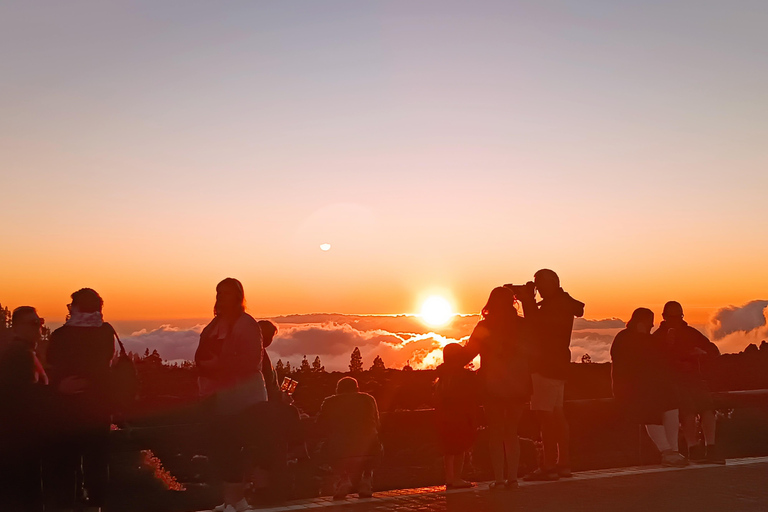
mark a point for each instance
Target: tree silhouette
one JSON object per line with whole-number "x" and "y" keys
{"x": 279, "y": 366}
{"x": 5, "y": 317}
{"x": 317, "y": 366}
{"x": 153, "y": 358}
{"x": 586, "y": 358}
{"x": 288, "y": 369}
{"x": 378, "y": 364}
{"x": 356, "y": 361}
{"x": 408, "y": 367}
{"x": 304, "y": 367}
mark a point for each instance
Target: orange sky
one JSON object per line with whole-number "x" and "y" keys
{"x": 437, "y": 148}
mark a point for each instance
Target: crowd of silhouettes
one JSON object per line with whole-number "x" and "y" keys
{"x": 58, "y": 403}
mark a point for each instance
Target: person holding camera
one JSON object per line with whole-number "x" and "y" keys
{"x": 552, "y": 322}
{"x": 501, "y": 340}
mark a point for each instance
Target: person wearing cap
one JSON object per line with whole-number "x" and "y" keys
{"x": 552, "y": 323}
{"x": 21, "y": 414}
{"x": 689, "y": 349}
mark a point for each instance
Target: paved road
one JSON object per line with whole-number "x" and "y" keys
{"x": 741, "y": 486}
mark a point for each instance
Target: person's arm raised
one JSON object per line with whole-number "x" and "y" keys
{"x": 527, "y": 297}
{"x": 472, "y": 348}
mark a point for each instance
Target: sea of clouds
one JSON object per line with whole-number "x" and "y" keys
{"x": 401, "y": 339}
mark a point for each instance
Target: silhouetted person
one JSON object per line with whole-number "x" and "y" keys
{"x": 689, "y": 348}
{"x": 280, "y": 432}
{"x": 268, "y": 331}
{"x": 21, "y": 414}
{"x": 229, "y": 360}
{"x": 500, "y": 340}
{"x": 643, "y": 384}
{"x": 349, "y": 423}
{"x": 79, "y": 356}
{"x": 456, "y": 408}
{"x": 552, "y": 320}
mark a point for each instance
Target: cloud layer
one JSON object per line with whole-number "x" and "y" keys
{"x": 734, "y": 327}
{"x": 397, "y": 339}
{"x": 172, "y": 343}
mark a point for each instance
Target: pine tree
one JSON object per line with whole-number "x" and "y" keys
{"x": 356, "y": 361}
{"x": 317, "y": 366}
{"x": 288, "y": 369}
{"x": 146, "y": 353}
{"x": 5, "y": 317}
{"x": 305, "y": 368}
{"x": 408, "y": 367}
{"x": 154, "y": 358}
{"x": 378, "y": 364}
{"x": 279, "y": 367}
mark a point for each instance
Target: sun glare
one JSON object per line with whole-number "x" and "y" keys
{"x": 436, "y": 311}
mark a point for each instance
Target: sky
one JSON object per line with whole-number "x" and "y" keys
{"x": 150, "y": 149}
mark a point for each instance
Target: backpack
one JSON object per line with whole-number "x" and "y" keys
{"x": 124, "y": 380}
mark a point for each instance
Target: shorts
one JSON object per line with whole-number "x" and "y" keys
{"x": 547, "y": 393}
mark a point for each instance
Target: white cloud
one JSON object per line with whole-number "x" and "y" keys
{"x": 171, "y": 343}
{"x": 734, "y": 327}
{"x": 744, "y": 318}
{"x": 596, "y": 344}
{"x": 396, "y": 339}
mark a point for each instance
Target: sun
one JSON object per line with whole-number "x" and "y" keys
{"x": 436, "y": 311}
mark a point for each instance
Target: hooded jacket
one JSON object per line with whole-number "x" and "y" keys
{"x": 552, "y": 320}
{"x": 681, "y": 340}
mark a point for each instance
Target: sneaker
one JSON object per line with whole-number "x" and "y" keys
{"x": 460, "y": 484}
{"x": 713, "y": 455}
{"x": 342, "y": 488}
{"x": 696, "y": 453}
{"x": 547, "y": 475}
{"x": 240, "y": 506}
{"x": 673, "y": 459}
{"x": 365, "y": 489}
{"x": 564, "y": 472}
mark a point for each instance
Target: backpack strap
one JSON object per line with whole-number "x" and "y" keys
{"x": 120, "y": 343}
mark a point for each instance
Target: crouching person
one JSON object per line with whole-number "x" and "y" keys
{"x": 349, "y": 424}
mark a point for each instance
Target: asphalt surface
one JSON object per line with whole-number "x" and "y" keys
{"x": 740, "y": 486}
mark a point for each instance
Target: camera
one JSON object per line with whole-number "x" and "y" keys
{"x": 522, "y": 290}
